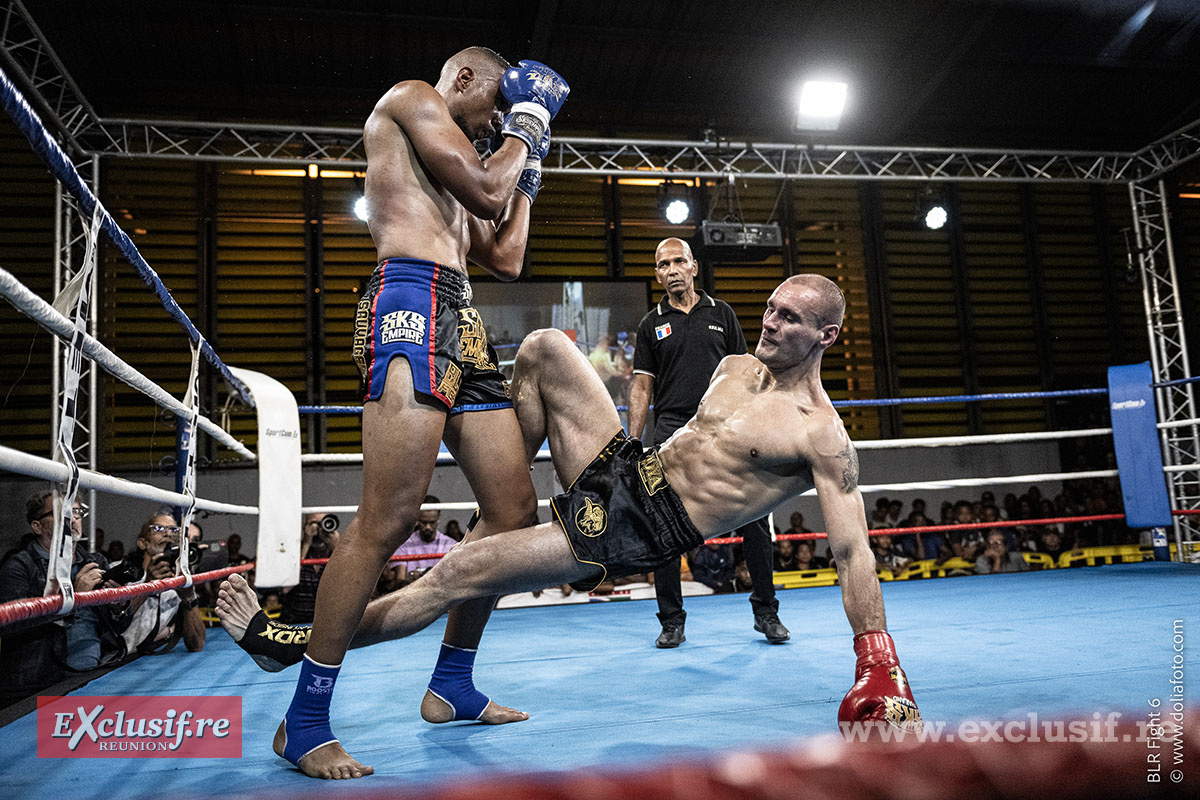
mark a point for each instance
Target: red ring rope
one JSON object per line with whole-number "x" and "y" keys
{"x": 29, "y": 608}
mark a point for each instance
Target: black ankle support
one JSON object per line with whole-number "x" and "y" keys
{"x": 274, "y": 645}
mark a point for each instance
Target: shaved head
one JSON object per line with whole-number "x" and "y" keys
{"x": 481, "y": 60}
{"x": 831, "y": 303}
{"x": 687, "y": 249}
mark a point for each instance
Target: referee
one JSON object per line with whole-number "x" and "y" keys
{"x": 679, "y": 344}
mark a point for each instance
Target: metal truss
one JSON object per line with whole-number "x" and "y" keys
{"x": 25, "y": 52}
{"x": 218, "y": 141}
{"x": 1168, "y": 352}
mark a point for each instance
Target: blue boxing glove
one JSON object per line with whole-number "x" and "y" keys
{"x": 536, "y": 93}
{"x": 531, "y": 178}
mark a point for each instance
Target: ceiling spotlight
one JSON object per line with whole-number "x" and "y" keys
{"x": 360, "y": 208}
{"x": 936, "y": 217}
{"x": 677, "y": 212}
{"x": 821, "y": 105}
{"x": 674, "y": 201}
{"x": 930, "y": 209}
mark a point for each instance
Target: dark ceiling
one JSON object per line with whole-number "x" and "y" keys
{"x": 1049, "y": 74}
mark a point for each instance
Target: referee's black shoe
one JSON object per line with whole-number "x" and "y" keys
{"x": 671, "y": 636}
{"x": 769, "y": 625}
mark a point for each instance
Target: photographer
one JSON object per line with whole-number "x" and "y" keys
{"x": 318, "y": 539}
{"x": 43, "y": 651}
{"x": 158, "y": 622}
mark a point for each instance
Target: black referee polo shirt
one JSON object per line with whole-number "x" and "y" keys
{"x": 681, "y": 351}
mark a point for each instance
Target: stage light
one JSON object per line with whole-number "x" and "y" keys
{"x": 674, "y": 201}
{"x": 821, "y": 105}
{"x": 936, "y": 217}
{"x": 360, "y": 208}
{"x": 930, "y": 209}
{"x": 677, "y": 212}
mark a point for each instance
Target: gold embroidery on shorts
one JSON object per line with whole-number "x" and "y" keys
{"x": 362, "y": 320}
{"x": 651, "y": 471}
{"x": 472, "y": 340}
{"x": 592, "y": 519}
{"x": 450, "y": 382}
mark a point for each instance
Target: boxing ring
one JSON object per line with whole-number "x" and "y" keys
{"x": 726, "y": 716}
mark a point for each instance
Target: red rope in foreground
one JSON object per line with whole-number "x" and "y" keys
{"x": 31, "y": 607}
{"x": 966, "y": 526}
{"x": 829, "y": 768}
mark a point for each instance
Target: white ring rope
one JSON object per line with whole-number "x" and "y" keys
{"x": 38, "y": 467}
{"x": 1179, "y": 423}
{"x": 949, "y": 483}
{"x": 44, "y": 314}
{"x": 959, "y": 441}
{"x": 356, "y": 458}
{"x": 424, "y": 507}
{"x": 869, "y": 444}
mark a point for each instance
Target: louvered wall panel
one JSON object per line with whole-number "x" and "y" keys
{"x": 1081, "y": 330}
{"x": 828, "y": 241}
{"x": 27, "y": 251}
{"x": 157, "y": 207}
{"x": 349, "y": 259}
{"x": 260, "y": 282}
{"x": 926, "y": 339}
{"x": 567, "y": 230}
{"x": 1002, "y": 306}
{"x": 1134, "y": 341}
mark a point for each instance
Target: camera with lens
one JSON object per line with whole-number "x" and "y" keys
{"x": 319, "y": 547}
{"x": 126, "y": 571}
{"x": 170, "y": 555}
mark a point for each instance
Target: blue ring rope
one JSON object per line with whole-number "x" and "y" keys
{"x": 30, "y": 124}
{"x": 1176, "y": 382}
{"x": 887, "y": 401}
{"x": 967, "y": 398}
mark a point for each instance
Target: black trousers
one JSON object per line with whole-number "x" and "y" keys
{"x": 757, "y": 549}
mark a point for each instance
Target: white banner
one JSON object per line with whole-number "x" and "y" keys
{"x": 279, "y": 480}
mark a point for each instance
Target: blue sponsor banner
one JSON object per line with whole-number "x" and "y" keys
{"x": 1135, "y": 437}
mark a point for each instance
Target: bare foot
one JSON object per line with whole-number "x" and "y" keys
{"x": 273, "y": 646}
{"x": 435, "y": 709}
{"x": 329, "y": 761}
{"x": 236, "y": 605}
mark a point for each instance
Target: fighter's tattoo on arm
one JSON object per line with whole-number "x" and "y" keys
{"x": 849, "y": 457}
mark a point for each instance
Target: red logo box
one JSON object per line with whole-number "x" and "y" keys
{"x": 180, "y": 726}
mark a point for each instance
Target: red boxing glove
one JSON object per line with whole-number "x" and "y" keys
{"x": 880, "y": 691}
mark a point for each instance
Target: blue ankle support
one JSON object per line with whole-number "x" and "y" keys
{"x": 452, "y": 682}
{"x": 306, "y": 724}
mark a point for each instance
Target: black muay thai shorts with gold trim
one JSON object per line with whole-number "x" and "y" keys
{"x": 622, "y": 516}
{"x": 421, "y": 310}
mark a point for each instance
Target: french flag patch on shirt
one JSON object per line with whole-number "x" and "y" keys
{"x": 662, "y": 331}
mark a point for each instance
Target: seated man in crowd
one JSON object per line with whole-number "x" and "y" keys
{"x": 805, "y": 559}
{"x": 233, "y": 547}
{"x": 39, "y": 652}
{"x": 889, "y": 556}
{"x": 428, "y": 541}
{"x": 713, "y": 566}
{"x": 156, "y": 623}
{"x": 998, "y": 558}
{"x": 765, "y": 431}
